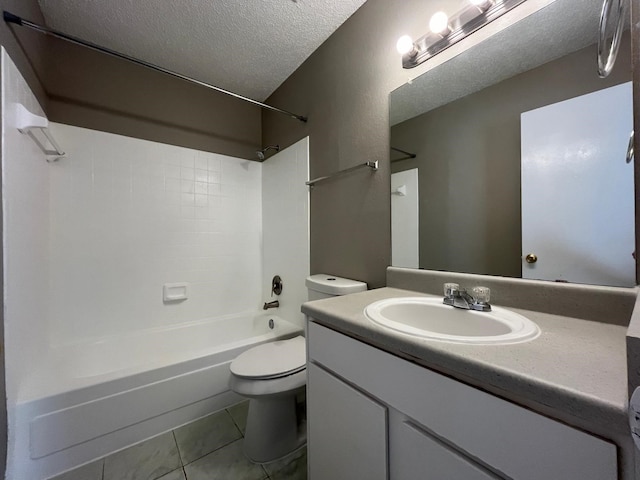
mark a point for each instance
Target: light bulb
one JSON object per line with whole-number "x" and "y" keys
{"x": 483, "y": 5}
{"x": 439, "y": 24}
{"x": 405, "y": 45}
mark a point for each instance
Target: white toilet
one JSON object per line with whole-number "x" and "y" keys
{"x": 272, "y": 375}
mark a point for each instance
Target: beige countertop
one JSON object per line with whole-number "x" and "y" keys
{"x": 575, "y": 371}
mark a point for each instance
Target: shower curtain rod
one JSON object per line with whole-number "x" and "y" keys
{"x": 11, "y": 18}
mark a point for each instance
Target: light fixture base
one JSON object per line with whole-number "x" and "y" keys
{"x": 463, "y": 23}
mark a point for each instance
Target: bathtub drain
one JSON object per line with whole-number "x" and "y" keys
{"x": 271, "y": 325}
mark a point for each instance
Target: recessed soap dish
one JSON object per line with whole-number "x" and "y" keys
{"x": 175, "y": 292}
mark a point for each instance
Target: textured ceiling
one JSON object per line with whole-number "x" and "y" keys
{"x": 247, "y": 46}
{"x": 556, "y": 30}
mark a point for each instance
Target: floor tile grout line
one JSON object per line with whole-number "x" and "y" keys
{"x": 182, "y": 464}
{"x": 175, "y": 440}
{"x": 234, "y": 422}
{"x": 212, "y": 451}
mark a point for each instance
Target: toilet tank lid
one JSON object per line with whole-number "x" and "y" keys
{"x": 332, "y": 285}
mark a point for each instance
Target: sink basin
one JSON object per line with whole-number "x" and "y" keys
{"x": 428, "y": 317}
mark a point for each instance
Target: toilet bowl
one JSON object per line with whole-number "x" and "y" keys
{"x": 272, "y": 376}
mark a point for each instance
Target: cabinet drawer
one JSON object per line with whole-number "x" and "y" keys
{"x": 520, "y": 443}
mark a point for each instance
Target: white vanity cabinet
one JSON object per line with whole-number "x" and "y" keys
{"x": 373, "y": 415}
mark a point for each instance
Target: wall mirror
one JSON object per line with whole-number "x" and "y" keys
{"x": 509, "y": 159}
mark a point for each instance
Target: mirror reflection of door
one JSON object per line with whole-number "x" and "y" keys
{"x": 461, "y": 119}
{"x": 404, "y": 219}
{"x": 577, "y": 189}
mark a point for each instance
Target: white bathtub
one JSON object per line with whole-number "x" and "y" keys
{"x": 93, "y": 398}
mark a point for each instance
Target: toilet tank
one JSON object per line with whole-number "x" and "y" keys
{"x": 322, "y": 285}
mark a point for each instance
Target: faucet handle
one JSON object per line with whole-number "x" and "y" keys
{"x": 451, "y": 289}
{"x": 481, "y": 295}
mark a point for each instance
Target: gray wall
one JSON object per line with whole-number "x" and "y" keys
{"x": 343, "y": 88}
{"x": 88, "y": 89}
{"x": 96, "y": 91}
{"x": 468, "y": 159}
{"x": 26, "y": 49}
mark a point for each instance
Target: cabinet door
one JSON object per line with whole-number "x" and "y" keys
{"x": 515, "y": 441}
{"x": 347, "y": 430}
{"x": 415, "y": 454}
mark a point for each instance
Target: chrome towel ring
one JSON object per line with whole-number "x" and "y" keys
{"x": 606, "y": 59}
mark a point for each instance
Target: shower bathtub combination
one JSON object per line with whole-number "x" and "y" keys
{"x": 94, "y": 398}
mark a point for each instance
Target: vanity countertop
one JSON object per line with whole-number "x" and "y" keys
{"x": 575, "y": 371}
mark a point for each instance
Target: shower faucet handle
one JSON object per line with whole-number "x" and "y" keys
{"x": 276, "y": 285}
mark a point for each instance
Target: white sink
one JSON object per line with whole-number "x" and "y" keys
{"x": 429, "y": 318}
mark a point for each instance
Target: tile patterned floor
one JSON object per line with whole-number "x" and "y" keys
{"x": 207, "y": 449}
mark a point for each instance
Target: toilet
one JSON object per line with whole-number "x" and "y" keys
{"x": 272, "y": 375}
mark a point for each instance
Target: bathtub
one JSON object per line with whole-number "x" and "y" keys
{"x": 96, "y": 397}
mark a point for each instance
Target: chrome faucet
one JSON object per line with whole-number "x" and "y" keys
{"x": 459, "y": 298}
{"x": 268, "y": 305}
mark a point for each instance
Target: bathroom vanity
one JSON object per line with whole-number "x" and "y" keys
{"x": 385, "y": 405}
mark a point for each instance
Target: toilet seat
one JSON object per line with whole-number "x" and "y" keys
{"x": 271, "y": 360}
{"x": 270, "y": 387}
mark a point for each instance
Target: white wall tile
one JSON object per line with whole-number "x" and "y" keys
{"x": 128, "y": 215}
{"x": 285, "y": 226}
{"x": 25, "y": 229}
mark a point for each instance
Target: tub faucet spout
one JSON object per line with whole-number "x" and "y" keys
{"x": 268, "y": 305}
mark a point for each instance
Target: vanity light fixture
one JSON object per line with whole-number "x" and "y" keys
{"x": 405, "y": 46}
{"x": 439, "y": 24}
{"x": 482, "y": 5}
{"x": 446, "y": 31}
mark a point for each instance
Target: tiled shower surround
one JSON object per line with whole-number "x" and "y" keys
{"x": 89, "y": 242}
{"x": 128, "y": 215}
{"x": 207, "y": 449}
